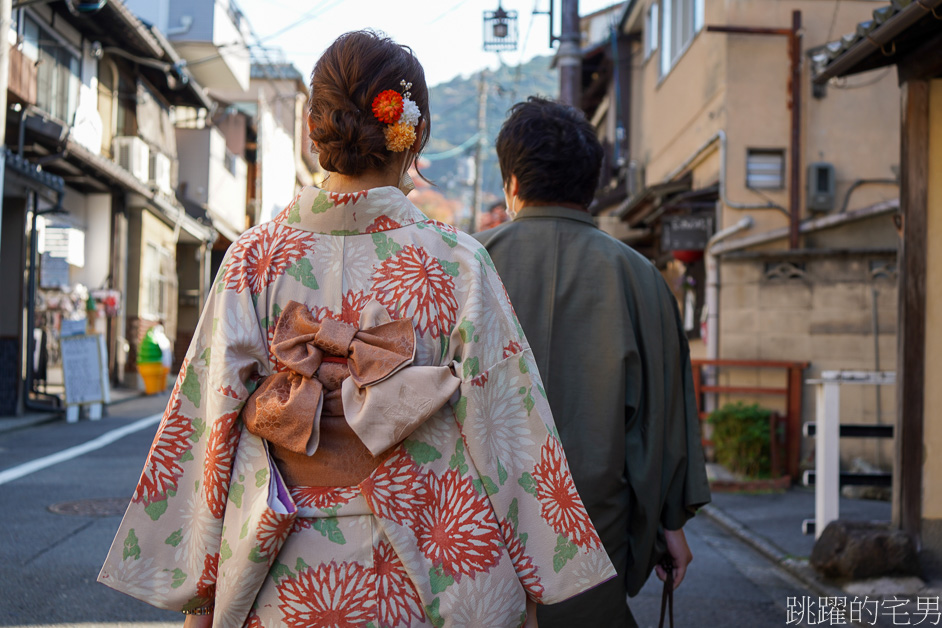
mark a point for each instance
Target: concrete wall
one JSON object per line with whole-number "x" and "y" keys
{"x": 932, "y": 465}
{"x": 278, "y": 162}
{"x": 97, "y": 226}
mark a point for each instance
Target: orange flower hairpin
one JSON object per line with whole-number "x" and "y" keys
{"x": 400, "y": 114}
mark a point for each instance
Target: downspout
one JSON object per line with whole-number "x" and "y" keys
{"x": 713, "y": 296}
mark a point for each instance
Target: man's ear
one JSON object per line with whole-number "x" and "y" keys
{"x": 514, "y": 186}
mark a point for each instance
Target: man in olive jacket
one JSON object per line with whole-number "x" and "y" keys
{"x": 609, "y": 343}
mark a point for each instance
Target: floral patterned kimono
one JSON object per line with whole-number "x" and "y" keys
{"x": 468, "y": 507}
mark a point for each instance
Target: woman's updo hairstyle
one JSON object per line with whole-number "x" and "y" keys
{"x": 358, "y": 66}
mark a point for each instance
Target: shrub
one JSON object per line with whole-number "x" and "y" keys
{"x": 741, "y": 440}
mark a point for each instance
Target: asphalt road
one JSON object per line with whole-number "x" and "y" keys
{"x": 51, "y": 549}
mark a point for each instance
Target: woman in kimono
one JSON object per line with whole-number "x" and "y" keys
{"x": 358, "y": 435}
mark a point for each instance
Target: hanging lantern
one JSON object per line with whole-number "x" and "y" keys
{"x": 500, "y": 30}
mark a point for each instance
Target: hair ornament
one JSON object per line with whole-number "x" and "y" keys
{"x": 401, "y": 115}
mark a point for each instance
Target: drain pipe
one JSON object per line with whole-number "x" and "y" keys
{"x": 713, "y": 300}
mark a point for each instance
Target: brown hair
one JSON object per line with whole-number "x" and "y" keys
{"x": 349, "y": 75}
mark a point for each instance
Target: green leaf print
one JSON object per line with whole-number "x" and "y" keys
{"x": 191, "y": 386}
{"x": 450, "y": 268}
{"x": 328, "y": 527}
{"x": 206, "y": 355}
{"x": 256, "y": 556}
{"x": 155, "y": 509}
{"x": 421, "y": 452}
{"x": 451, "y": 239}
{"x": 471, "y": 367}
{"x": 466, "y": 330}
{"x": 175, "y": 538}
{"x": 541, "y": 390}
{"x": 178, "y": 578}
{"x": 132, "y": 548}
{"x": 294, "y": 216}
{"x": 300, "y": 565}
{"x": 434, "y": 614}
{"x": 457, "y": 461}
{"x": 565, "y": 551}
{"x": 439, "y": 579}
{"x": 321, "y": 204}
{"x": 386, "y": 247}
{"x": 225, "y": 552}
{"x": 523, "y": 619}
{"x": 245, "y": 530}
{"x": 279, "y": 571}
{"x": 528, "y": 484}
{"x": 483, "y": 257}
{"x": 187, "y": 456}
{"x": 501, "y": 473}
{"x": 461, "y": 410}
{"x": 513, "y": 514}
{"x": 528, "y": 402}
{"x": 303, "y": 272}
{"x": 220, "y": 284}
{"x": 344, "y": 232}
{"x": 199, "y": 426}
{"x": 235, "y": 494}
{"x": 261, "y": 477}
{"x": 485, "y": 485}
{"x": 523, "y": 365}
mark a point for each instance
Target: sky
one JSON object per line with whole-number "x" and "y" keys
{"x": 446, "y": 35}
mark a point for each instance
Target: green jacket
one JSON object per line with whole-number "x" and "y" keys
{"x": 608, "y": 340}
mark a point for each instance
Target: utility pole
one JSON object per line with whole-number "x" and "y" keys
{"x": 479, "y": 152}
{"x": 569, "y": 57}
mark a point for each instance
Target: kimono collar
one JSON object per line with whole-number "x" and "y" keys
{"x": 367, "y": 211}
{"x": 554, "y": 211}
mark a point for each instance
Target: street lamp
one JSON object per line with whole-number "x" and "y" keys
{"x": 500, "y": 30}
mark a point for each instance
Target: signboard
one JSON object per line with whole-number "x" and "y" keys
{"x": 686, "y": 233}
{"x": 83, "y": 368}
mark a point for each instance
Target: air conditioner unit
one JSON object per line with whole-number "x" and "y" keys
{"x": 160, "y": 172}
{"x": 133, "y": 154}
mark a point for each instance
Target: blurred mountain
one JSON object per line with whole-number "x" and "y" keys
{"x": 454, "y": 109}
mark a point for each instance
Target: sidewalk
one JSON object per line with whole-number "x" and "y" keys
{"x": 771, "y": 524}
{"x": 12, "y": 423}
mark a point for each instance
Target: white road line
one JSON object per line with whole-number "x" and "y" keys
{"x": 73, "y": 452}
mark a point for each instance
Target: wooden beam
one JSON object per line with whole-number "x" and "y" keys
{"x": 911, "y": 334}
{"x": 923, "y": 63}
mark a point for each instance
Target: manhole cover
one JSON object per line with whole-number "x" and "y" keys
{"x": 102, "y": 507}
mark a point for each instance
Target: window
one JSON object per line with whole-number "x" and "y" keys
{"x": 651, "y": 29}
{"x": 58, "y": 70}
{"x": 681, "y": 20}
{"x": 765, "y": 169}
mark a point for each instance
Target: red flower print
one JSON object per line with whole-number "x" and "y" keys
{"x": 338, "y": 198}
{"x": 276, "y": 365}
{"x": 560, "y": 504}
{"x": 273, "y": 530}
{"x": 162, "y": 470}
{"x": 523, "y": 565}
{"x": 301, "y": 523}
{"x": 444, "y": 226}
{"x": 457, "y": 529}
{"x": 383, "y": 223}
{"x": 228, "y": 391}
{"x": 283, "y": 214}
{"x": 352, "y": 307}
{"x": 396, "y": 595}
{"x": 206, "y": 586}
{"x": 329, "y": 596}
{"x": 253, "y": 621}
{"x": 480, "y": 380}
{"x": 387, "y": 106}
{"x": 413, "y": 283}
{"x": 322, "y": 496}
{"x": 263, "y": 254}
{"x": 395, "y": 491}
{"x": 512, "y": 349}
{"x": 220, "y": 451}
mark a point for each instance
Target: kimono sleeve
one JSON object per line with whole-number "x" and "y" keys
{"x": 508, "y": 429}
{"x": 167, "y": 548}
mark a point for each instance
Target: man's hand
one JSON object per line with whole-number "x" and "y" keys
{"x": 531, "y": 615}
{"x": 680, "y": 552}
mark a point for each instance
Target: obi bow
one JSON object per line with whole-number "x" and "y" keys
{"x": 367, "y": 373}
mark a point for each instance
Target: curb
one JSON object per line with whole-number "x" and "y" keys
{"x": 773, "y": 553}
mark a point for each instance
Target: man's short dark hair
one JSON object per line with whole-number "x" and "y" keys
{"x": 553, "y": 151}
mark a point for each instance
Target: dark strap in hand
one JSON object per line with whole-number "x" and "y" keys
{"x": 667, "y": 595}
